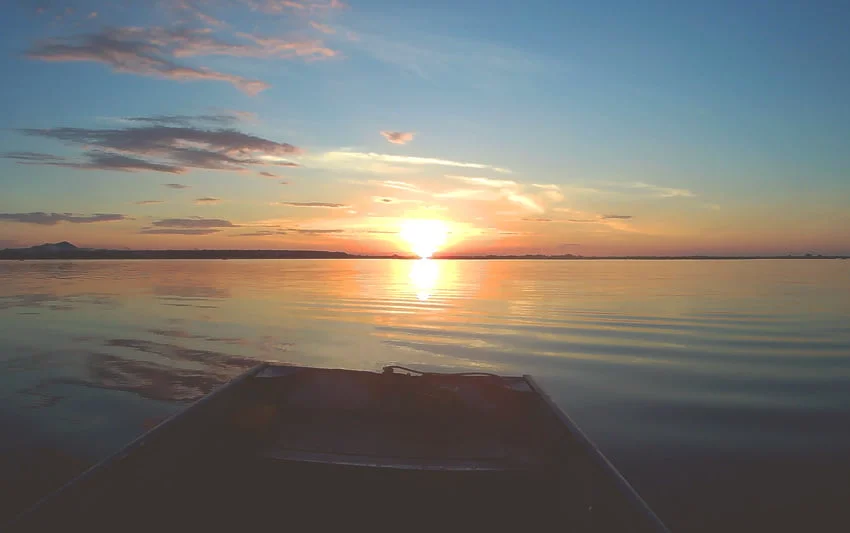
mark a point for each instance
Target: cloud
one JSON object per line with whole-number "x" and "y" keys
{"x": 662, "y": 192}
{"x": 398, "y": 137}
{"x": 487, "y": 182}
{"x": 621, "y": 217}
{"x": 177, "y": 231}
{"x": 221, "y": 120}
{"x": 525, "y": 201}
{"x": 393, "y": 200}
{"x": 146, "y": 52}
{"x": 148, "y": 202}
{"x": 175, "y": 185}
{"x": 405, "y": 160}
{"x": 401, "y": 185}
{"x": 207, "y": 200}
{"x": 494, "y": 189}
{"x": 32, "y": 157}
{"x": 100, "y": 160}
{"x": 193, "y": 8}
{"x": 274, "y": 7}
{"x": 269, "y": 47}
{"x": 391, "y": 184}
{"x": 550, "y": 191}
{"x": 284, "y": 182}
{"x": 175, "y": 148}
{"x": 324, "y": 28}
{"x": 260, "y": 233}
{"x": 470, "y": 194}
{"x": 51, "y": 219}
{"x": 194, "y": 222}
{"x": 325, "y": 205}
{"x": 267, "y": 174}
{"x": 537, "y": 219}
{"x": 277, "y": 161}
{"x": 316, "y": 231}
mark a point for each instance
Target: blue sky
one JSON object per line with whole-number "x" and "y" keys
{"x": 558, "y": 127}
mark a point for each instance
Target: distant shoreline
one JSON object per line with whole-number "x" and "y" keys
{"x": 28, "y": 254}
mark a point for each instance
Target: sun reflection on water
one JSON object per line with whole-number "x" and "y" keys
{"x": 424, "y": 275}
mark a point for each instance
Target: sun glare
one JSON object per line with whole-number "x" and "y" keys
{"x": 424, "y": 236}
{"x": 424, "y": 274}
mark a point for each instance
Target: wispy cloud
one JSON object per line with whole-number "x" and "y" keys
{"x": 324, "y": 28}
{"x": 101, "y": 160}
{"x": 32, "y": 157}
{"x": 194, "y": 222}
{"x": 321, "y": 205}
{"x": 146, "y": 52}
{"x": 537, "y": 219}
{"x": 469, "y": 194}
{"x": 275, "y": 7}
{"x": 550, "y": 191}
{"x": 398, "y": 137}
{"x": 393, "y": 200}
{"x": 392, "y": 184}
{"x": 494, "y": 189}
{"x": 436, "y": 55}
{"x": 525, "y": 201}
{"x": 175, "y": 185}
{"x": 148, "y": 202}
{"x": 219, "y": 119}
{"x": 178, "y": 231}
{"x": 487, "y": 182}
{"x": 51, "y": 219}
{"x": 268, "y": 47}
{"x": 663, "y": 192}
{"x": 405, "y": 160}
{"x": 267, "y": 174}
{"x": 260, "y": 233}
{"x": 316, "y": 231}
{"x": 170, "y": 149}
{"x": 207, "y": 200}
{"x": 620, "y": 217}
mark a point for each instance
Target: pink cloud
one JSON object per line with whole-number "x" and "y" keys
{"x": 324, "y": 28}
{"x": 398, "y": 137}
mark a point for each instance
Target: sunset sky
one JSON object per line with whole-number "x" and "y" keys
{"x": 593, "y": 128}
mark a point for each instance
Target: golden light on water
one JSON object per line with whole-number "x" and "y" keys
{"x": 424, "y": 275}
{"x": 424, "y": 236}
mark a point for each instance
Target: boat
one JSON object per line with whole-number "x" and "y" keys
{"x": 285, "y": 447}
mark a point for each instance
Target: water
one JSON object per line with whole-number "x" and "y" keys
{"x": 721, "y": 389}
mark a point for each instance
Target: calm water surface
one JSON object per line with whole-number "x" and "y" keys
{"x": 721, "y": 389}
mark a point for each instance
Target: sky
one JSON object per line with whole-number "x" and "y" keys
{"x": 589, "y": 128}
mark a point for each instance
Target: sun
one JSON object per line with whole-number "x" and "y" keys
{"x": 424, "y": 236}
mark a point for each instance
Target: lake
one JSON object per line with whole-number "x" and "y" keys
{"x": 721, "y": 389}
